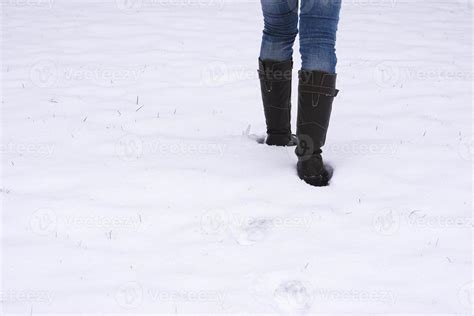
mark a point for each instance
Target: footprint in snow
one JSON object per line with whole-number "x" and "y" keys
{"x": 252, "y": 231}
{"x": 293, "y": 297}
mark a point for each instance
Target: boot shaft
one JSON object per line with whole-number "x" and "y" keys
{"x": 316, "y": 93}
{"x": 275, "y": 83}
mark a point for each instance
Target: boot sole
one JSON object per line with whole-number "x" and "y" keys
{"x": 321, "y": 180}
{"x": 281, "y": 141}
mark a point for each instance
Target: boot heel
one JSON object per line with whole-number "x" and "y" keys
{"x": 281, "y": 140}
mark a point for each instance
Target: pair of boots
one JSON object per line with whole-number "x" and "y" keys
{"x": 316, "y": 92}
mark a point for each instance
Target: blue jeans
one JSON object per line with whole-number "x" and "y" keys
{"x": 318, "y": 21}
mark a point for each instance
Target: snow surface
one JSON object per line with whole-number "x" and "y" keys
{"x": 131, "y": 181}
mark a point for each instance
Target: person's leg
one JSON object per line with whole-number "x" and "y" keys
{"x": 317, "y": 86}
{"x": 318, "y": 27}
{"x": 276, "y": 67}
{"x": 280, "y": 29}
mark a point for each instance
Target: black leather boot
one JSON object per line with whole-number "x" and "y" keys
{"x": 275, "y": 83}
{"x": 317, "y": 91}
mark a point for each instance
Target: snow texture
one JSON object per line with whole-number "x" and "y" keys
{"x": 132, "y": 182}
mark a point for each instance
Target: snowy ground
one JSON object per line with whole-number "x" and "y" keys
{"x": 131, "y": 183}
